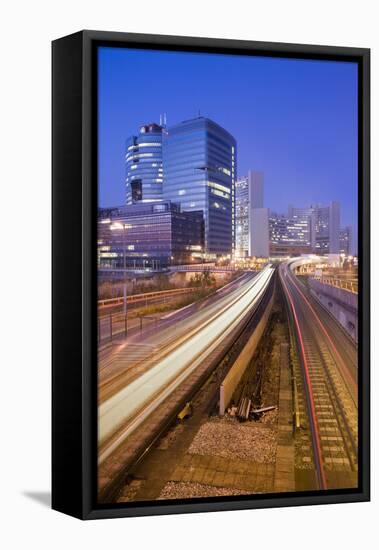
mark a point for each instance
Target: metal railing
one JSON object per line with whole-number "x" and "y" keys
{"x": 350, "y": 286}
{"x": 111, "y": 326}
{"x": 145, "y": 297}
{"x": 205, "y": 267}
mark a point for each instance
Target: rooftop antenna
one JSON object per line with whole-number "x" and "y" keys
{"x": 160, "y": 120}
{"x": 164, "y": 120}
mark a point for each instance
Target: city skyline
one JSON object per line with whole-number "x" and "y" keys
{"x": 298, "y": 108}
{"x": 227, "y": 279}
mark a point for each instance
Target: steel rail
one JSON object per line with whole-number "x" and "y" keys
{"x": 315, "y": 435}
{"x": 341, "y": 363}
{"x": 316, "y": 346}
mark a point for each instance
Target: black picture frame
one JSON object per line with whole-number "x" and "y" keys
{"x": 74, "y": 204}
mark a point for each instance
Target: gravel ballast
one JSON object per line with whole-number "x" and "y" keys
{"x": 181, "y": 489}
{"x": 230, "y": 439}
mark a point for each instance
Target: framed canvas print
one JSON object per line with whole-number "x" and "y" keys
{"x": 210, "y": 274}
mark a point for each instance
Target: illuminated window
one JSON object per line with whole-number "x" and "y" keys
{"x": 218, "y": 186}
{"x": 220, "y": 193}
{"x": 181, "y": 192}
{"x": 152, "y": 144}
{"x": 224, "y": 170}
{"x": 134, "y": 156}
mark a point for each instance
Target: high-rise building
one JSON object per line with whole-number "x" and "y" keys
{"x": 306, "y": 215}
{"x": 346, "y": 240}
{"x": 259, "y": 233}
{"x": 144, "y": 170}
{"x": 250, "y": 188}
{"x": 290, "y": 236}
{"x": 249, "y": 195}
{"x": 200, "y": 163}
{"x": 324, "y": 226}
{"x": 327, "y": 228}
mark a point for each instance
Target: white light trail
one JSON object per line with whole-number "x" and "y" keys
{"x": 136, "y": 401}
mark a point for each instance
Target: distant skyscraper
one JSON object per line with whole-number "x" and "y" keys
{"x": 327, "y": 228}
{"x": 259, "y": 233}
{"x": 334, "y": 227}
{"x": 290, "y": 236}
{"x": 255, "y": 180}
{"x": 324, "y": 226}
{"x": 144, "y": 170}
{"x": 346, "y": 240}
{"x": 249, "y": 195}
{"x": 200, "y": 164}
{"x": 242, "y": 218}
{"x": 306, "y": 215}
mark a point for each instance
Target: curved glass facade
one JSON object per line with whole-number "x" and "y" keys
{"x": 199, "y": 160}
{"x": 144, "y": 170}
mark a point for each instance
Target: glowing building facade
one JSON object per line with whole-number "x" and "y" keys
{"x": 144, "y": 169}
{"x": 200, "y": 163}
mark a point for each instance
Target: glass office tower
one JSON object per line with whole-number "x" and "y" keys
{"x": 144, "y": 170}
{"x": 199, "y": 159}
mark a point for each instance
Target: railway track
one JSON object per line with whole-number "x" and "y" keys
{"x": 329, "y": 404}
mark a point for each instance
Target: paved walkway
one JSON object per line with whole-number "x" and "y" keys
{"x": 241, "y": 474}
{"x": 285, "y": 452}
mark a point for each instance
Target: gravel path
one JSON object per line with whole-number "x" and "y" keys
{"x": 230, "y": 439}
{"x": 180, "y": 489}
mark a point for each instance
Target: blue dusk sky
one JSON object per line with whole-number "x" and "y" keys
{"x": 294, "y": 120}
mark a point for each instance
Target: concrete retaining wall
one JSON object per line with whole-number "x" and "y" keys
{"x": 235, "y": 374}
{"x": 341, "y": 303}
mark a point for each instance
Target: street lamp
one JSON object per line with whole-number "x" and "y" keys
{"x": 124, "y": 227}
